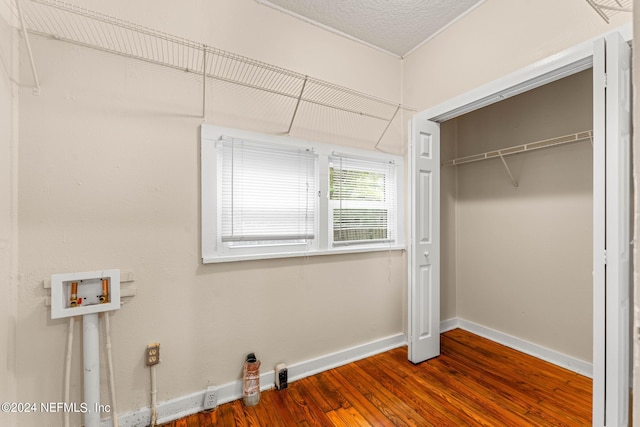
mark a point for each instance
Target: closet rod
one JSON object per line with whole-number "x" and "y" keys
{"x": 531, "y": 146}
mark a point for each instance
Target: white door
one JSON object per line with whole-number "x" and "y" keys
{"x": 612, "y": 228}
{"x": 424, "y": 249}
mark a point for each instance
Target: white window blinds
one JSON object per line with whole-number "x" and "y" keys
{"x": 268, "y": 193}
{"x": 362, "y": 200}
{"x": 270, "y": 196}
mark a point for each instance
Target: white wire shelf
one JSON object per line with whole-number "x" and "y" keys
{"x": 531, "y": 146}
{"x": 607, "y": 8}
{"x": 66, "y": 22}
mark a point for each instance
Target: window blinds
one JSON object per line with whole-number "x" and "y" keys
{"x": 362, "y": 200}
{"x": 268, "y": 193}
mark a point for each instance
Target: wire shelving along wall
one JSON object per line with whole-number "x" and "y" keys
{"x": 501, "y": 153}
{"x": 66, "y": 22}
{"x": 607, "y": 8}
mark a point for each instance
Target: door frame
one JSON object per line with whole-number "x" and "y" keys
{"x": 563, "y": 64}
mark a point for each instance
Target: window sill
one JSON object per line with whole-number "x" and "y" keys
{"x": 345, "y": 250}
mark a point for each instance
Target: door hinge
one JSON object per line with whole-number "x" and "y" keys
{"x": 604, "y": 258}
{"x": 604, "y": 80}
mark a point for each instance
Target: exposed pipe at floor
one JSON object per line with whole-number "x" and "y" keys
{"x": 112, "y": 384}
{"x": 154, "y": 392}
{"x": 67, "y": 376}
{"x": 91, "y": 348}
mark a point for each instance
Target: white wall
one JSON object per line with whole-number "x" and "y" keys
{"x": 109, "y": 178}
{"x": 495, "y": 39}
{"x": 448, "y": 222}
{"x": 8, "y": 229}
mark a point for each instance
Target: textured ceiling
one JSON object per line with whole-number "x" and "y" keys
{"x": 394, "y": 26}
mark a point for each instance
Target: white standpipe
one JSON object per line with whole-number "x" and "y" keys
{"x": 67, "y": 370}
{"x": 91, "y": 355}
{"x": 112, "y": 384}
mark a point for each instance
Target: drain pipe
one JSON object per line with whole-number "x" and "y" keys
{"x": 154, "y": 401}
{"x": 112, "y": 384}
{"x": 91, "y": 348}
{"x": 67, "y": 372}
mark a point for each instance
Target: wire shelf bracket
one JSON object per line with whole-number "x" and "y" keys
{"x": 506, "y": 166}
{"x": 295, "y": 111}
{"x": 607, "y": 8}
{"x": 25, "y": 32}
{"x": 63, "y": 21}
{"x": 204, "y": 84}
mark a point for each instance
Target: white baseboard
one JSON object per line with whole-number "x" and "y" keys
{"x": 449, "y": 324}
{"x": 576, "y": 365}
{"x": 193, "y": 403}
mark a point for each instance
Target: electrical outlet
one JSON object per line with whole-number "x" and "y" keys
{"x": 210, "y": 398}
{"x": 152, "y": 354}
{"x": 282, "y": 374}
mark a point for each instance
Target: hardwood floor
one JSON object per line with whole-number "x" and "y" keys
{"x": 475, "y": 382}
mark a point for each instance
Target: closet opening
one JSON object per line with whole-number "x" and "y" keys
{"x": 496, "y": 233}
{"x": 517, "y": 229}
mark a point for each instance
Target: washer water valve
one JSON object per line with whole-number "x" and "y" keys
{"x": 77, "y": 294}
{"x": 105, "y": 292}
{"x": 74, "y": 295}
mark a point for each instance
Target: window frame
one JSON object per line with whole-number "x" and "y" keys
{"x": 385, "y": 167}
{"x": 213, "y": 252}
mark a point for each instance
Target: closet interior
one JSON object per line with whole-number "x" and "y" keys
{"x": 517, "y": 213}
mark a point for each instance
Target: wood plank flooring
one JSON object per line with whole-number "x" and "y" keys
{"x": 475, "y": 382}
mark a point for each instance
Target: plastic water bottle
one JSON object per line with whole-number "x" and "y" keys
{"x": 251, "y": 381}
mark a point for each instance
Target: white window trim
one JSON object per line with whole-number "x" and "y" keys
{"x": 210, "y": 134}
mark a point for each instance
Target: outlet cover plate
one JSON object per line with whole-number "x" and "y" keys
{"x": 210, "y": 398}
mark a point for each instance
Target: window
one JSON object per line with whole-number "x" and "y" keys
{"x": 265, "y": 196}
{"x": 362, "y": 200}
{"x": 268, "y": 194}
